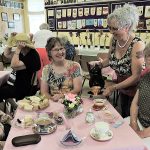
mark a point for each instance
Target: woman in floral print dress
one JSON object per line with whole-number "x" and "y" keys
{"x": 60, "y": 76}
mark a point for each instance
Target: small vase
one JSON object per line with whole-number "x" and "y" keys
{"x": 71, "y": 113}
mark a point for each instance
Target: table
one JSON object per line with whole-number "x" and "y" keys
{"x": 90, "y": 51}
{"x": 4, "y": 75}
{"x": 124, "y": 137}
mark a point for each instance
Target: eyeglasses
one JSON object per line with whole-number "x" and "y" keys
{"x": 59, "y": 49}
{"x": 113, "y": 28}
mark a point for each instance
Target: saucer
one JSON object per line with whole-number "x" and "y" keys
{"x": 108, "y": 136}
{"x": 97, "y": 108}
{"x": 48, "y": 130}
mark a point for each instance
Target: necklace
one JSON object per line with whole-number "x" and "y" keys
{"x": 124, "y": 43}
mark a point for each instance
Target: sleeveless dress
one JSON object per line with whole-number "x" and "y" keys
{"x": 122, "y": 66}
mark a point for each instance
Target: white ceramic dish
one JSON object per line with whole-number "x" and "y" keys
{"x": 108, "y": 136}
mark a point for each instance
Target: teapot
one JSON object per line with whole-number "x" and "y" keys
{"x": 96, "y": 78}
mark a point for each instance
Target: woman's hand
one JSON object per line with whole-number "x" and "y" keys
{"x": 21, "y": 45}
{"x": 93, "y": 63}
{"x": 57, "y": 97}
{"x": 108, "y": 91}
{"x": 134, "y": 126}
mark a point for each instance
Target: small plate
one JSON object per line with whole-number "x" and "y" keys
{"x": 108, "y": 136}
{"x": 43, "y": 131}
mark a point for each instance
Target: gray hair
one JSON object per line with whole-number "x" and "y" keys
{"x": 44, "y": 26}
{"x": 126, "y": 16}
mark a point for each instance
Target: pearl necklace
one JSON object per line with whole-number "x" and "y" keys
{"x": 124, "y": 43}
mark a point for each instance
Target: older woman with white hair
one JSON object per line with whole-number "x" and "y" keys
{"x": 125, "y": 54}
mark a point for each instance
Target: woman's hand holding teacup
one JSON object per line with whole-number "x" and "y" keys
{"x": 108, "y": 91}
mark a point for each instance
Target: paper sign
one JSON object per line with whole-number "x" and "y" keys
{"x": 99, "y": 11}
{"x": 89, "y": 22}
{"x": 69, "y": 12}
{"x": 80, "y": 12}
{"x": 58, "y": 14}
{"x": 63, "y": 12}
{"x": 74, "y": 13}
{"x": 93, "y": 11}
{"x": 50, "y": 13}
{"x": 147, "y": 11}
{"x": 86, "y": 11}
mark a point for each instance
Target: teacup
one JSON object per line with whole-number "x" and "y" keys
{"x": 101, "y": 129}
{"x": 43, "y": 123}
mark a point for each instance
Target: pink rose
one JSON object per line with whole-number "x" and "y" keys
{"x": 70, "y": 97}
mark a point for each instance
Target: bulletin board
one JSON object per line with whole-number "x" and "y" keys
{"x": 81, "y": 17}
{"x": 91, "y": 16}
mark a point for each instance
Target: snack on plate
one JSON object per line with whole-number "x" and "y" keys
{"x": 28, "y": 120}
{"x": 32, "y": 103}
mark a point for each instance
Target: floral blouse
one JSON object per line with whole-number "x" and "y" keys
{"x": 61, "y": 82}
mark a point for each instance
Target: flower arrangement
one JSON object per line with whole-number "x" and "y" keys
{"x": 72, "y": 104}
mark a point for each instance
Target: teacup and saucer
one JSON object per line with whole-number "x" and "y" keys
{"x": 101, "y": 131}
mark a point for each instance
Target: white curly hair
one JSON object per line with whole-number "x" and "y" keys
{"x": 126, "y": 16}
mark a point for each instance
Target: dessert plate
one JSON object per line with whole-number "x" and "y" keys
{"x": 108, "y": 136}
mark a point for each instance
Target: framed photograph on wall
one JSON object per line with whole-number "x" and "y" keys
{"x": 4, "y": 16}
{"x": 11, "y": 25}
{"x": 16, "y": 17}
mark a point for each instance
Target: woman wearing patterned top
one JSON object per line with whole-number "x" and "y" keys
{"x": 140, "y": 108}
{"x": 61, "y": 75}
{"x": 125, "y": 55}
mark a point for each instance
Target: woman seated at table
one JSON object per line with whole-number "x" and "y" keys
{"x": 25, "y": 62}
{"x": 140, "y": 108}
{"x": 61, "y": 75}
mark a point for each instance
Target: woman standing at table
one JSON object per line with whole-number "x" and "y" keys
{"x": 125, "y": 55}
{"x": 61, "y": 75}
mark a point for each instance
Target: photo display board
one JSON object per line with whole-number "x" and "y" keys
{"x": 91, "y": 16}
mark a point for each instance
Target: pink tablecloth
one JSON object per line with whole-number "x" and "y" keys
{"x": 4, "y": 75}
{"x": 124, "y": 138}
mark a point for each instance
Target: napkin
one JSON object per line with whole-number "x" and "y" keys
{"x": 71, "y": 137}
